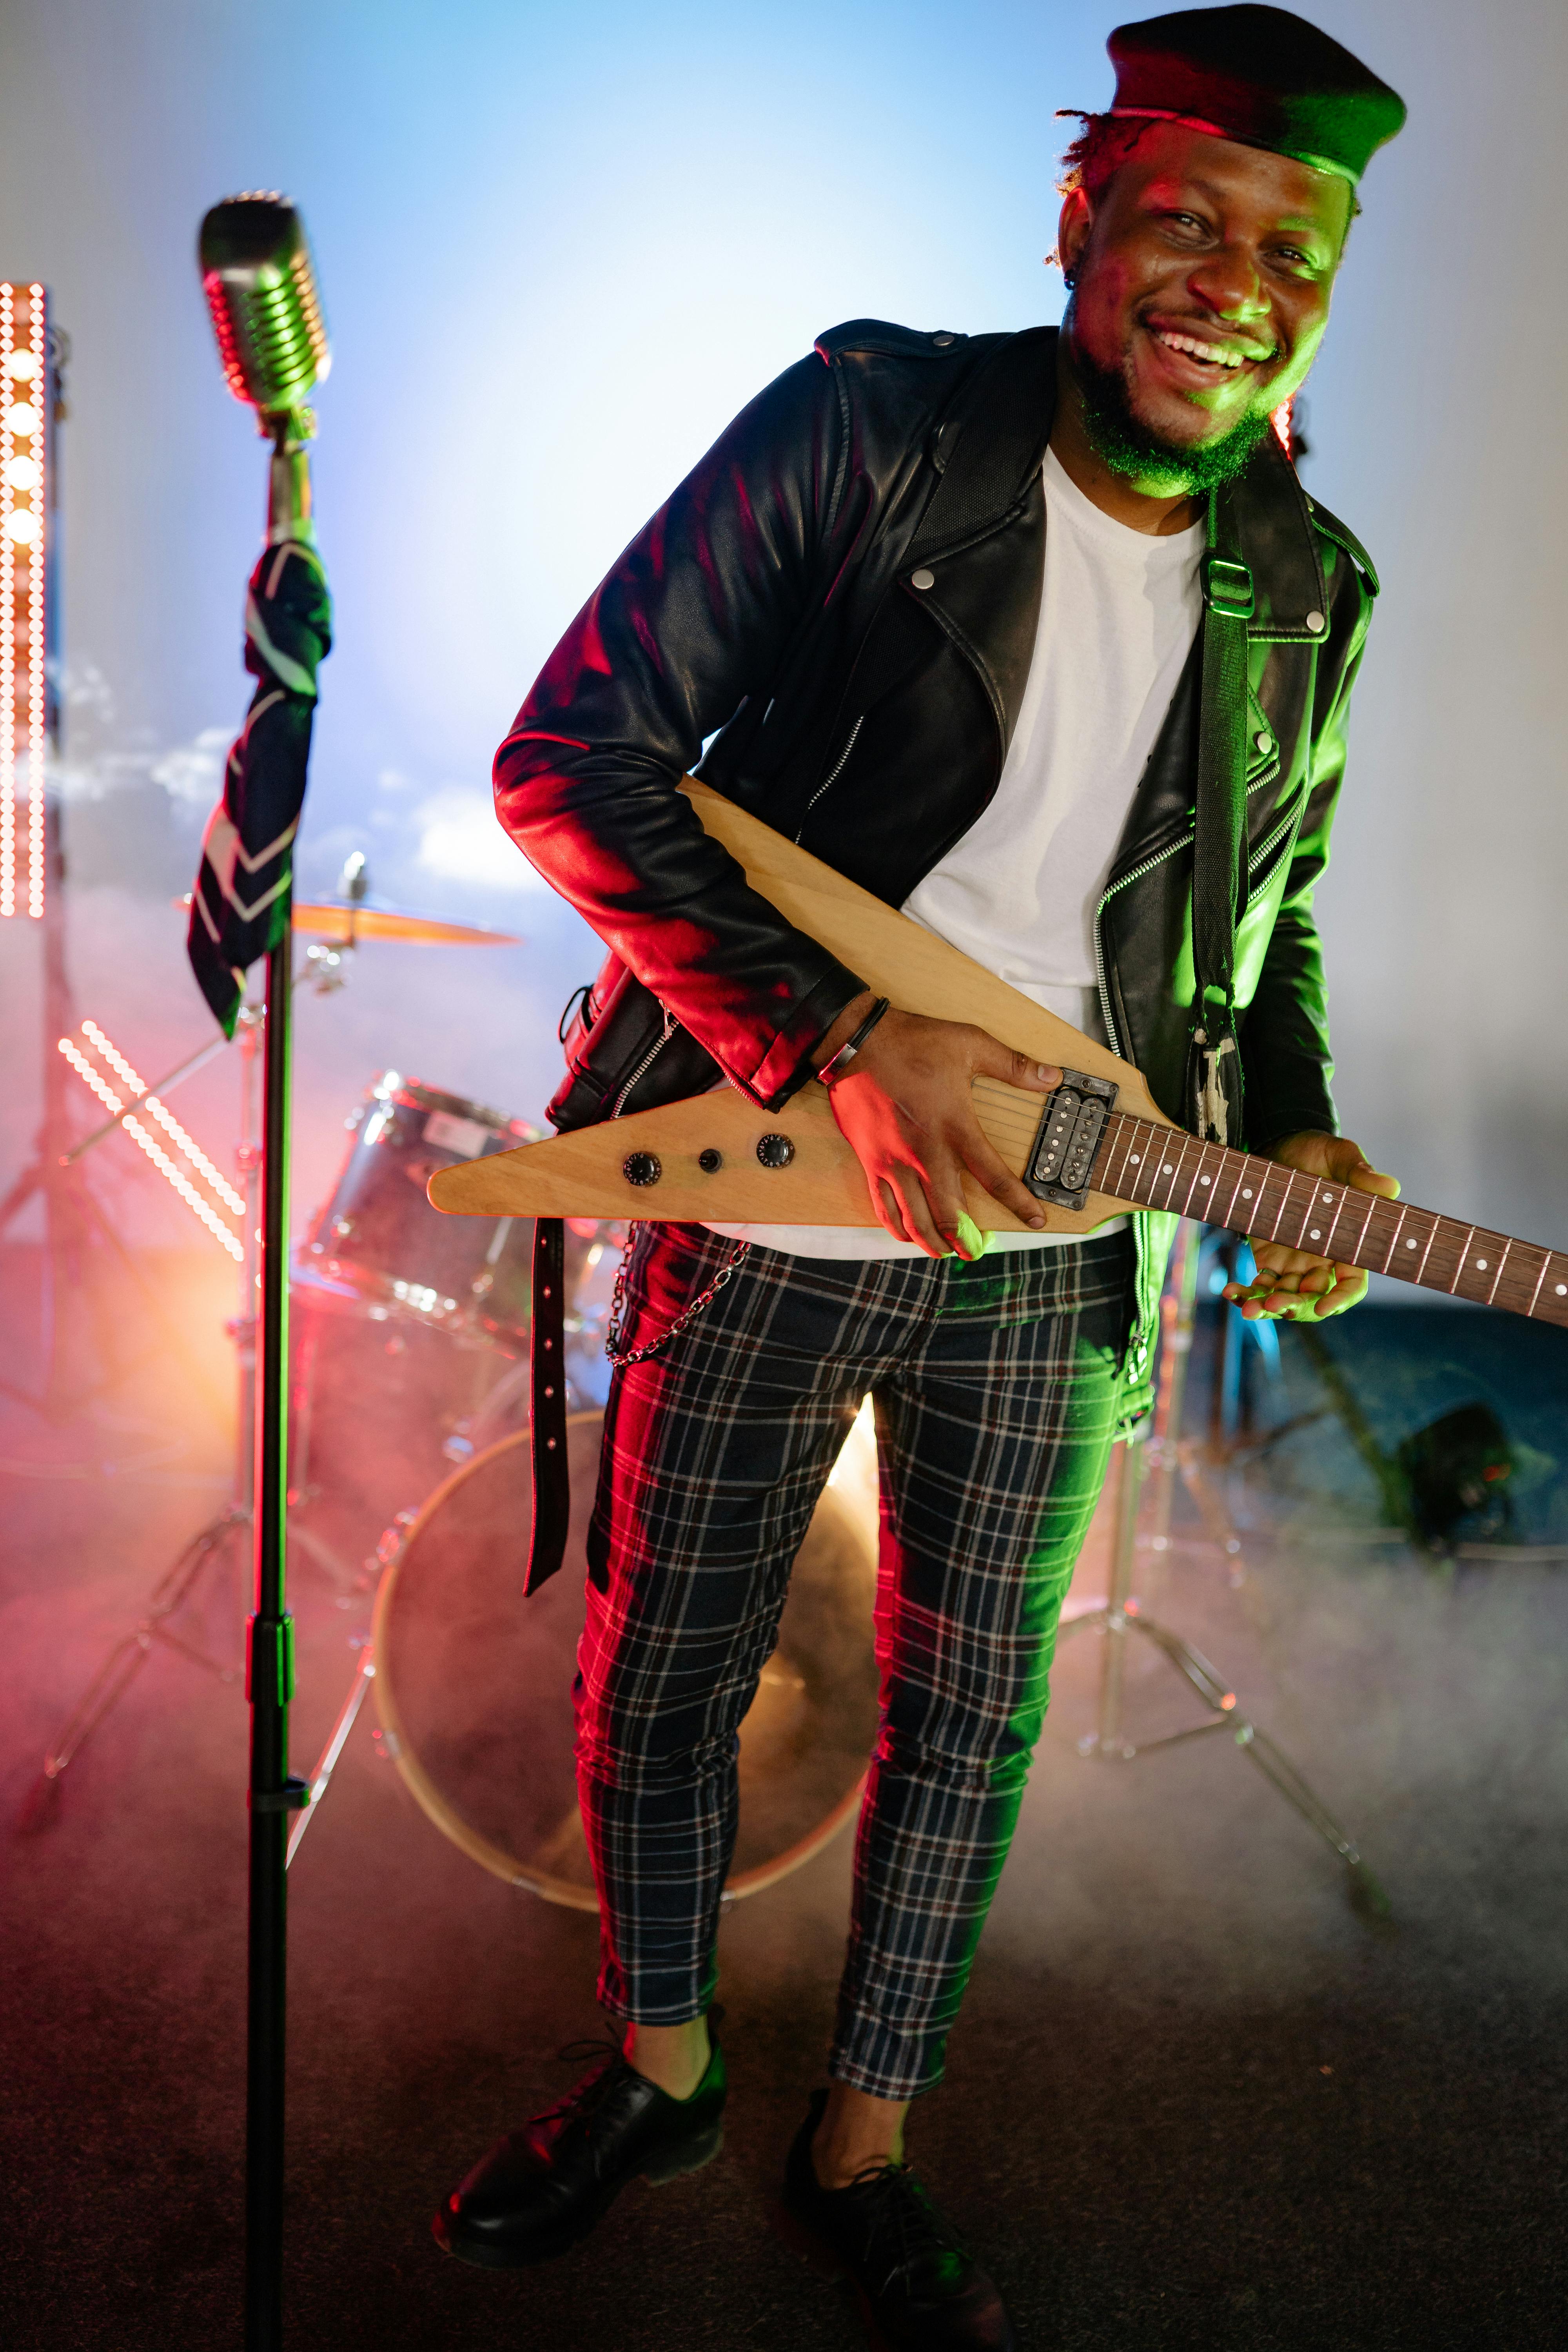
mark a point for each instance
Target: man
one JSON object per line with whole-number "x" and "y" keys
{"x": 945, "y": 605}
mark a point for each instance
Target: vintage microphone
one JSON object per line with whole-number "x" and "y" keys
{"x": 260, "y": 287}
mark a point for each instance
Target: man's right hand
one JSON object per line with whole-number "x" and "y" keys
{"x": 905, "y": 1106}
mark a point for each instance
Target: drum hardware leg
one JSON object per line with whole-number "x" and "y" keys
{"x": 337, "y": 1739}
{"x": 346, "y": 1581}
{"x": 126, "y": 1659}
{"x": 1119, "y": 1615}
{"x": 223, "y": 1541}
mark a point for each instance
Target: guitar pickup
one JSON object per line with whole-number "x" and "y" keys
{"x": 1068, "y": 1138}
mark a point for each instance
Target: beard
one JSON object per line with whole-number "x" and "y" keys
{"x": 1132, "y": 449}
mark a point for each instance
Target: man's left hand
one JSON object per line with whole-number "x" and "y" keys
{"x": 1290, "y": 1283}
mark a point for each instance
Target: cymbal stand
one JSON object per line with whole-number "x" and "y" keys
{"x": 1121, "y": 1615}
{"x": 1170, "y": 1455}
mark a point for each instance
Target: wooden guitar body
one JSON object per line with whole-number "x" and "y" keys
{"x": 583, "y": 1175}
{"x": 717, "y": 1160}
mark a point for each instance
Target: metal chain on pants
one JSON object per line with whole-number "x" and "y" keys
{"x": 612, "y": 1351}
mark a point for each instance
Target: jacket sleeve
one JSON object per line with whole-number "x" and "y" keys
{"x": 694, "y": 616}
{"x": 1286, "y": 1058}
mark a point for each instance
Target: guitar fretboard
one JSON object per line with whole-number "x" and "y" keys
{"x": 1160, "y": 1167}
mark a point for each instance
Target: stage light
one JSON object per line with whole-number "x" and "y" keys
{"x": 26, "y": 594}
{"x": 160, "y": 1158}
{"x": 166, "y": 1118}
{"x": 148, "y": 1144}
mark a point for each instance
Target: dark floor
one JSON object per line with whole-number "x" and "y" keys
{"x": 1194, "y": 2100}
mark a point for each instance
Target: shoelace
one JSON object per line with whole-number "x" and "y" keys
{"x": 901, "y": 2220}
{"x": 586, "y": 2095}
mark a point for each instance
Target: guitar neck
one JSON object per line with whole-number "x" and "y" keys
{"x": 1151, "y": 1166}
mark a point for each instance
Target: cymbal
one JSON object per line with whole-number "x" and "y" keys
{"x": 344, "y": 924}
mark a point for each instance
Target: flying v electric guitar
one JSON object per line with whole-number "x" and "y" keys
{"x": 1097, "y": 1145}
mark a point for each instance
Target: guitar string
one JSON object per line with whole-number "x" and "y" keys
{"x": 1009, "y": 1120}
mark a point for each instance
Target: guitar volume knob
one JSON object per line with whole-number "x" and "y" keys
{"x": 641, "y": 1167}
{"x": 775, "y": 1151}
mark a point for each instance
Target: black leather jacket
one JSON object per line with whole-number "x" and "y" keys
{"x": 740, "y": 617}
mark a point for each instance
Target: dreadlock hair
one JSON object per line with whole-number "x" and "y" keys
{"x": 1101, "y": 149}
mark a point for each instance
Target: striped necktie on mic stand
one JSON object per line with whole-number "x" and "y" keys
{"x": 256, "y": 273}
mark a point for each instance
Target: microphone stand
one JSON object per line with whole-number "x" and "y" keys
{"x": 274, "y": 1793}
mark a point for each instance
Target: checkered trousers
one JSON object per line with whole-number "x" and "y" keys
{"x": 996, "y": 1388}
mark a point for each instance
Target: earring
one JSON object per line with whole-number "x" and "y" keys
{"x": 1069, "y": 278}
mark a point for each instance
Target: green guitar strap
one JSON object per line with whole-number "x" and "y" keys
{"x": 1213, "y": 1087}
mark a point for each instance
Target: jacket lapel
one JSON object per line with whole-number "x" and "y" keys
{"x": 979, "y": 572}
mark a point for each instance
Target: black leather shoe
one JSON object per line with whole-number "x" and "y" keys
{"x": 923, "y": 2290}
{"x": 545, "y": 2186}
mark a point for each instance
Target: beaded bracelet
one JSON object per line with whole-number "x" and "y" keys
{"x": 847, "y": 1052}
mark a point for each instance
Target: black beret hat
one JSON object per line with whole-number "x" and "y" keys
{"x": 1260, "y": 76}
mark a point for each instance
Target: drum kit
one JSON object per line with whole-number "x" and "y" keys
{"x": 409, "y": 1499}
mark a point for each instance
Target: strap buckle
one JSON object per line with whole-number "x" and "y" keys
{"x": 1227, "y": 588}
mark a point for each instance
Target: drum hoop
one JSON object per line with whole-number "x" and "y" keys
{"x": 418, "y": 1094}
{"x": 438, "y": 1808}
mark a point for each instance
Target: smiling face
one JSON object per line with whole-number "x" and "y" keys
{"x": 1203, "y": 273}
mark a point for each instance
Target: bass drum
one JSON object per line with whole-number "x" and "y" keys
{"x": 473, "y": 1682}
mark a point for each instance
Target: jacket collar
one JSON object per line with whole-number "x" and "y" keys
{"x": 1274, "y": 525}
{"x": 980, "y": 582}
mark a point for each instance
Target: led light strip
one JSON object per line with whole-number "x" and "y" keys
{"x": 24, "y": 506}
{"x": 37, "y": 706}
{"x": 7, "y": 621}
{"x": 155, "y": 1153}
{"x": 166, "y": 1118}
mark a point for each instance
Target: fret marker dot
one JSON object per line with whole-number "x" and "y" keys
{"x": 1315, "y": 1236}
{"x": 1328, "y": 1196}
{"x": 1561, "y": 1289}
{"x": 1135, "y": 1159}
{"x": 1480, "y": 1265}
{"x": 1410, "y": 1245}
{"x": 1247, "y": 1192}
{"x": 1203, "y": 1179}
{"x": 1167, "y": 1169}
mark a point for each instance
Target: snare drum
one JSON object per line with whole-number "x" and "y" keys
{"x": 380, "y": 1249}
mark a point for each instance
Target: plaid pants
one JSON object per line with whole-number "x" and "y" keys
{"x": 995, "y": 1386}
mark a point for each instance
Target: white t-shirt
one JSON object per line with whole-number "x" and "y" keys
{"x": 1019, "y": 891}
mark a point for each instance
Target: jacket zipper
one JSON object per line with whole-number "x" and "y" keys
{"x": 832, "y": 776}
{"x": 649, "y": 1059}
{"x": 1136, "y": 875}
{"x": 1148, "y": 866}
